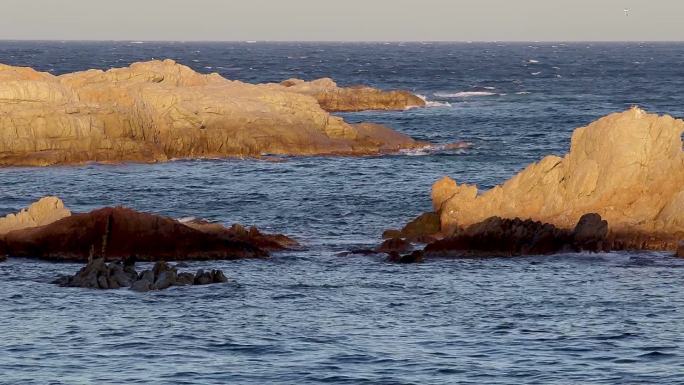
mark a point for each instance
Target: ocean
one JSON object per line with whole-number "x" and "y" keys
{"x": 310, "y": 316}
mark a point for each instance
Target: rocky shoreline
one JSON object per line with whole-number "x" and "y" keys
{"x": 160, "y": 110}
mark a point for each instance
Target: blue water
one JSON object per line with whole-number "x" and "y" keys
{"x": 311, "y": 317}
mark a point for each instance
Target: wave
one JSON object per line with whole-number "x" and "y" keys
{"x": 523, "y": 93}
{"x": 464, "y": 94}
{"x": 431, "y": 103}
{"x": 456, "y": 147}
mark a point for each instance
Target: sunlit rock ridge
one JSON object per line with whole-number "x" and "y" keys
{"x": 628, "y": 167}
{"x": 159, "y": 110}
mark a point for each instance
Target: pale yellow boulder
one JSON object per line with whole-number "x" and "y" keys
{"x": 41, "y": 213}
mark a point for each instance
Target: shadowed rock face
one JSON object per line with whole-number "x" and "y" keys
{"x": 117, "y": 233}
{"x": 512, "y": 237}
{"x": 159, "y": 110}
{"x": 627, "y": 167}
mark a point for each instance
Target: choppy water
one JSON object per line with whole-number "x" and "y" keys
{"x": 312, "y": 317}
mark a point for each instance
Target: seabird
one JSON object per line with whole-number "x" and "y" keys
{"x": 626, "y": 12}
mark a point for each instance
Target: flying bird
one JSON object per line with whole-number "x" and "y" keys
{"x": 626, "y": 12}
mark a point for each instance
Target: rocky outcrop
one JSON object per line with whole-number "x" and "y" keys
{"x": 497, "y": 237}
{"x": 43, "y": 212}
{"x": 117, "y": 233}
{"x": 97, "y": 274}
{"x": 680, "y": 250}
{"x": 424, "y": 229}
{"x": 337, "y": 99}
{"x": 160, "y": 110}
{"x": 626, "y": 167}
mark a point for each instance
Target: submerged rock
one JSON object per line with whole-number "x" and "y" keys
{"x": 160, "y": 110}
{"x": 98, "y": 274}
{"x": 626, "y": 167}
{"x": 118, "y": 233}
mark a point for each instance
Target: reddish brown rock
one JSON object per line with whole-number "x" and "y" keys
{"x": 117, "y": 233}
{"x": 680, "y": 249}
{"x": 252, "y": 235}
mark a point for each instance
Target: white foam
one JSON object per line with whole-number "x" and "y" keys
{"x": 433, "y": 148}
{"x": 431, "y": 103}
{"x": 532, "y": 61}
{"x": 186, "y": 219}
{"x": 464, "y": 94}
{"x": 536, "y": 73}
{"x": 489, "y": 88}
{"x": 523, "y": 93}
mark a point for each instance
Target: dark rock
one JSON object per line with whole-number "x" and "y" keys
{"x": 165, "y": 279}
{"x": 117, "y": 233}
{"x": 391, "y": 233}
{"x": 396, "y": 244}
{"x": 203, "y": 278}
{"x": 185, "y": 279}
{"x": 510, "y": 237}
{"x": 426, "y": 224}
{"x": 680, "y": 250}
{"x": 99, "y": 275}
{"x": 590, "y": 232}
{"x": 147, "y": 275}
{"x": 414, "y": 257}
{"x": 141, "y": 286}
{"x": 217, "y": 276}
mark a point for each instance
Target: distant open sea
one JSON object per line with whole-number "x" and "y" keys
{"x": 311, "y": 317}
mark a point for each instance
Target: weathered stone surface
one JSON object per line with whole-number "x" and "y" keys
{"x": 117, "y": 233}
{"x": 97, "y": 274}
{"x": 159, "y": 110}
{"x": 40, "y": 213}
{"x": 627, "y": 167}
{"x": 336, "y": 99}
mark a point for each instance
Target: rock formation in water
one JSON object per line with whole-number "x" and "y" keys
{"x": 43, "y": 212}
{"x": 627, "y": 167}
{"x": 159, "y": 110}
{"x": 97, "y": 274}
{"x": 496, "y": 237}
{"x": 335, "y": 99}
{"x": 118, "y": 233}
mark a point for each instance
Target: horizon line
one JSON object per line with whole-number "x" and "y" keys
{"x": 332, "y": 41}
